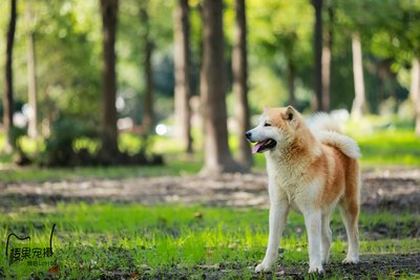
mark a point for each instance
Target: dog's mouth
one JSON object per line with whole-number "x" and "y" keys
{"x": 263, "y": 146}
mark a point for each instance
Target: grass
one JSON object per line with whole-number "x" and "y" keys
{"x": 93, "y": 241}
{"x": 37, "y": 174}
{"x": 390, "y": 148}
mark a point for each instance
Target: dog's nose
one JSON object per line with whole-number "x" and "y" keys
{"x": 248, "y": 135}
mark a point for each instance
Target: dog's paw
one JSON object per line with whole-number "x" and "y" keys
{"x": 351, "y": 260}
{"x": 263, "y": 267}
{"x": 316, "y": 269}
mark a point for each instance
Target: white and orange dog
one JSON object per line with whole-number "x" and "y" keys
{"x": 310, "y": 169}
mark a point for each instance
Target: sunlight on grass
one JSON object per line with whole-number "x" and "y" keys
{"x": 94, "y": 238}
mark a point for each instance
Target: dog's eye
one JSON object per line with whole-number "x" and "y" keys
{"x": 267, "y": 124}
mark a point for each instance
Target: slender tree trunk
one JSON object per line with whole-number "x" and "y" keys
{"x": 291, "y": 75}
{"x": 182, "y": 60}
{"x": 318, "y": 54}
{"x": 32, "y": 80}
{"x": 109, "y": 9}
{"x": 8, "y": 92}
{"x": 218, "y": 158}
{"x": 359, "y": 103}
{"x": 326, "y": 60}
{"x": 415, "y": 91}
{"x": 240, "y": 86}
{"x": 148, "y": 111}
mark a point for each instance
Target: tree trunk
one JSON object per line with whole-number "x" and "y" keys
{"x": 8, "y": 92}
{"x": 240, "y": 87}
{"x": 148, "y": 110}
{"x": 109, "y": 9}
{"x": 326, "y": 60}
{"x": 218, "y": 158}
{"x": 182, "y": 63}
{"x": 32, "y": 80}
{"x": 291, "y": 75}
{"x": 415, "y": 91}
{"x": 318, "y": 55}
{"x": 359, "y": 103}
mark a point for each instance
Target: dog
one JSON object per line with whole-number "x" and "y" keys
{"x": 310, "y": 169}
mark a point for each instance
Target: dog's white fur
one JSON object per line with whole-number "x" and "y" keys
{"x": 309, "y": 180}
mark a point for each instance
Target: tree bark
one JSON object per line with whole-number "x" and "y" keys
{"x": 148, "y": 109}
{"x": 291, "y": 75}
{"x": 240, "y": 86}
{"x": 415, "y": 91}
{"x": 32, "y": 79}
{"x": 326, "y": 60}
{"x": 318, "y": 55}
{"x": 8, "y": 103}
{"x": 182, "y": 61}
{"x": 109, "y": 10}
{"x": 217, "y": 158}
{"x": 359, "y": 103}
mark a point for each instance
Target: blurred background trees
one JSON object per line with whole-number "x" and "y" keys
{"x": 8, "y": 98}
{"x": 200, "y": 69}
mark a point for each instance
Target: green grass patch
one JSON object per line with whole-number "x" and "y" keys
{"x": 38, "y": 174}
{"x": 390, "y": 147}
{"x": 93, "y": 241}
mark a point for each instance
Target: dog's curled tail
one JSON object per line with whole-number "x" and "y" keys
{"x": 328, "y": 131}
{"x": 346, "y": 144}
{"x": 323, "y": 122}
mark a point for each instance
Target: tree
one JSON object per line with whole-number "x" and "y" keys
{"x": 32, "y": 79}
{"x": 217, "y": 158}
{"x": 8, "y": 92}
{"x": 359, "y": 103}
{"x": 326, "y": 58}
{"x": 318, "y": 39}
{"x": 109, "y": 11}
{"x": 182, "y": 62}
{"x": 148, "y": 111}
{"x": 415, "y": 91}
{"x": 240, "y": 79}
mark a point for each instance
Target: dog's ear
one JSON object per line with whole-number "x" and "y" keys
{"x": 290, "y": 113}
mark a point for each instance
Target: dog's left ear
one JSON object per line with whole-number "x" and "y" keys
{"x": 290, "y": 113}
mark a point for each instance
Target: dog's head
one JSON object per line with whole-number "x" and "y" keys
{"x": 277, "y": 128}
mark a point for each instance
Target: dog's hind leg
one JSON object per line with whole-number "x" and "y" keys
{"x": 350, "y": 208}
{"x": 326, "y": 237}
{"x": 350, "y": 222}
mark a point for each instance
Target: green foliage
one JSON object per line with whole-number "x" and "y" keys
{"x": 61, "y": 147}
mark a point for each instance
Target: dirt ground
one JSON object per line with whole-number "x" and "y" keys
{"x": 405, "y": 266}
{"x": 395, "y": 189}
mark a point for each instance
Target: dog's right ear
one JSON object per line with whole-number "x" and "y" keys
{"x": 290, "y": 113}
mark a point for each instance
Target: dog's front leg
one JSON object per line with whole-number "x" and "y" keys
{"x": 313, "y": 229}
{"x": 277, "y": 221}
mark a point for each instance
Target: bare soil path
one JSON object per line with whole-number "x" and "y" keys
{"x": 395, "y": 189}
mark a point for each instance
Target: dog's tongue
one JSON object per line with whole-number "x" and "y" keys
{"x": 256, "y": 147}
